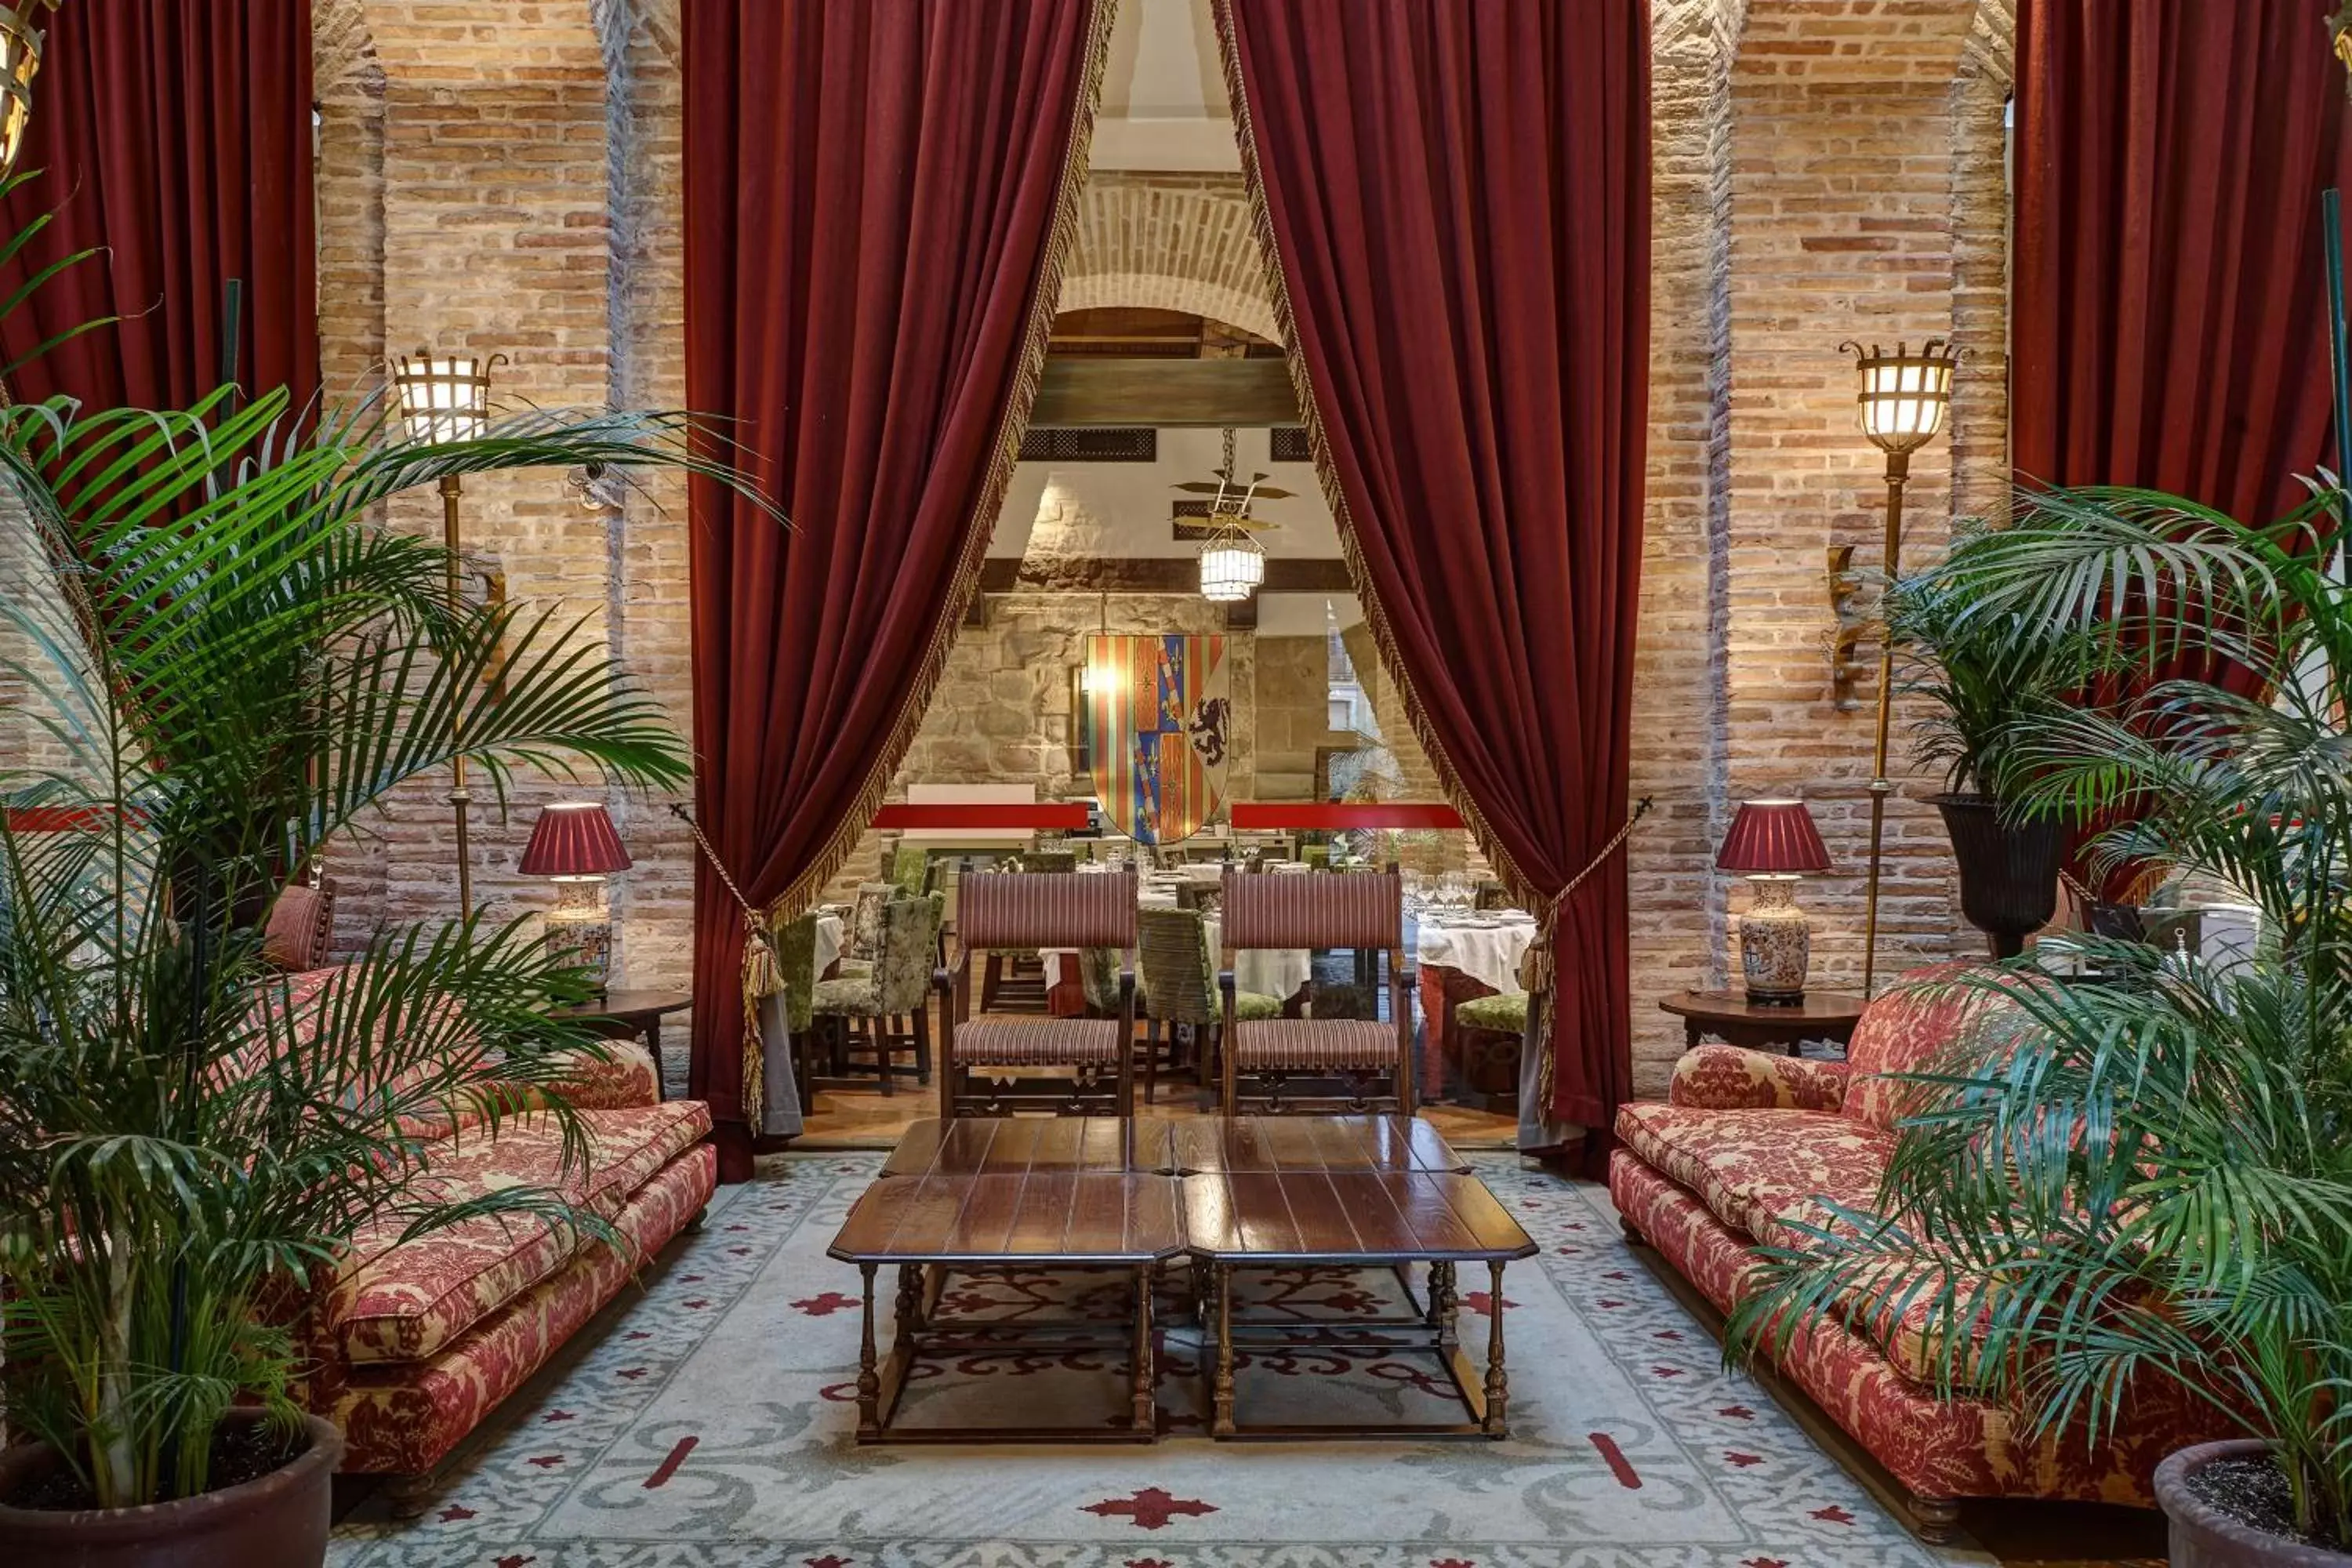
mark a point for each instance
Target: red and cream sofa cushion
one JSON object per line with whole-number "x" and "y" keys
{"x": 412, "y": 1343}
{"x": 1745, "y": 1150}
{"x": 395, "y": 1302}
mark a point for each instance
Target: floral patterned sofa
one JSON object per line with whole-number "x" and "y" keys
{"x": 413, "y": 1344}
{"x": 1744, "y": 1141}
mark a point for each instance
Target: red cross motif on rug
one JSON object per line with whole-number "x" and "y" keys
{"x": 1151, "y": 1509}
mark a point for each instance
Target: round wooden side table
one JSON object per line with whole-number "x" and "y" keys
{"x": 1731, "y": 1017}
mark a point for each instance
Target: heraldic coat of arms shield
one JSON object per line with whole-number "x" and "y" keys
{"x": 1161, "y": 711}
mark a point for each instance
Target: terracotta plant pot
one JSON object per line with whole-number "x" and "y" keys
{"x": 2008, "y": 871}
{"x": 2204, "y": 1537}
{"x": 279, "y": 1519}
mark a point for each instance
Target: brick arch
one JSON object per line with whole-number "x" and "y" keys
{"x": 342, "y": 52}
{"x": 1169, "y": 242}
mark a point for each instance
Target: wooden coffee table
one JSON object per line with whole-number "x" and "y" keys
{"x": 1047, "y": 1219}
{"x": 1357, "y": 1219}
{"x": 1012, "y": 1146}
{"x": 1311, "y": 1143}
{"x": 1017, "y": 1145}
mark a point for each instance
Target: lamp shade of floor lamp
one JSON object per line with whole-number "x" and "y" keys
{"x": 573, "y": 845}
{"x": 1773, "y": 843}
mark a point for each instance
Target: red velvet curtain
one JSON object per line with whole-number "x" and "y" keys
{"x": 2167, "y": 320}
{"x": 1458, "y": 198}
{"x": 177, "y": 137}
{"x": 877, "y": 200}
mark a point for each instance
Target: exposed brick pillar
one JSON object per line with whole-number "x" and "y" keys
{"x": 495, "y": 238}
{"x": 1679, "y": 736}
{"x": 1842, "y": 226}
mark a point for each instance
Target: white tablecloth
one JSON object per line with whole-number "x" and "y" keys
{"x": 1489, "y": 954}
{"x": 832, "y": 930}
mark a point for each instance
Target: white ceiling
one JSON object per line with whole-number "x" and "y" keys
{"x": 1163, "y": 91}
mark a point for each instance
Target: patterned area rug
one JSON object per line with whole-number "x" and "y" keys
{"x": 711, "y": 1428}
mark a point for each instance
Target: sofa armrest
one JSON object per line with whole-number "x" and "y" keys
{"x": 1730, "y": 1078}
{"x": 613, "y": 1074}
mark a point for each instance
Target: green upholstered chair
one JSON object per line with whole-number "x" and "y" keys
{"x": 795, "y": 942}
{"x": 1177, "y": 979}
{"x": 909, "y": 870}
{"x": 1049, "y": 860}
{"x": 887, "y": 1011}
{"x": 796, "y": 955}
{"x": 1491, "y": 1030}
{"x": 863, "y": 940}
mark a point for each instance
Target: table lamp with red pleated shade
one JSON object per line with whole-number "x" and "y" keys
{"x": 1773, "y": 843}
{"x": 573, "y": 845}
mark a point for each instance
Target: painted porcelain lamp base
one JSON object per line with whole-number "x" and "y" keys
{"x": 1775, "y": 942}
{"x": 580, "y": 928}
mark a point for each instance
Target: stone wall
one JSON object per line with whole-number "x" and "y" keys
{"x": 1294, "y": 715}
{"x": 506, "y": 175}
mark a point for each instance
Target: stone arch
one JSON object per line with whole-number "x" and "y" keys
{"x": 1170, "y": 242}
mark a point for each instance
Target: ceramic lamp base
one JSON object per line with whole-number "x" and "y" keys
{"x": 1776, "y": 943}
{"x": 584, "y": 942}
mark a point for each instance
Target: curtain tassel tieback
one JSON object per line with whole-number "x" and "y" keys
{"x": 1540, "y": 966}
{"x": 763, "y": 973}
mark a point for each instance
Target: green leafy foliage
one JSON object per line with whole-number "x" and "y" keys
{"x": 225, "y": 664}
{"x": 2146, "y": 1178}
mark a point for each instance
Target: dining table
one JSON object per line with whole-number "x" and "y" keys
{"x": 1461, "y": 955}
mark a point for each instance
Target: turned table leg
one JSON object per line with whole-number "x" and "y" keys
{"x": 869, "y": 1382}
{"x": 1221, "y": 1391}
{"x": 1444, "y": 1303}
{"x": 1498, "y": 1384}
{"x": 1146, "y": 1415}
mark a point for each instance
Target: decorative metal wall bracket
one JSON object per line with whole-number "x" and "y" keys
{"x": 1853, "y": 623}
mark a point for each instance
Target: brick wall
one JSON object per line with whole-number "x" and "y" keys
{"x": 506, "y": 174}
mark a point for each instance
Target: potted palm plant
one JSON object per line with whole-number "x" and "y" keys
{"x": 1978, "y": 678}
{"x": 2150, "y": 1177}
{"x": 221, "y": 663}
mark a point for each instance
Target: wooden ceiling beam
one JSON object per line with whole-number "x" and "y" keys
{"x": 1248, "y": 394}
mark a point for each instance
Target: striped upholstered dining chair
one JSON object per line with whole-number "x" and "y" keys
{"x": 998, "y": 1065}
{"x": 1356, "y": 1064}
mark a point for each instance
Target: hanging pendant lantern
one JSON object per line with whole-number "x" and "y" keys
{"x": 1232, "y": 564}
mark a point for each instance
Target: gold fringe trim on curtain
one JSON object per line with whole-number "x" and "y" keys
{"x": 979, "y": 526}
{"x": 1546, "y": 908}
